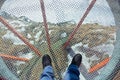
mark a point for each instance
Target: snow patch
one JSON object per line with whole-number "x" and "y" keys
{"x": 94, "y": 57}
{"x": 98, "y": 30}
{"x": 85, "y": 61}
{"x": 18, "y": 63}
{"x": 69, "y": 59}
{"x": 82, "y": 77}
{"x": 32, "y": 42}
{"x": 28, "y": 55}
{"x": 76, "y": 45}
{"x": 29, "y": 36}
{"x": 37, "y": 36}
{"x": 17, "y": 22}
{"x": 50, "y": 31}
{"x": 21, "y": 30}
{"x": 105, "y": 48}
{"x": 86, "y": 45}
{"x": 18, "y": 71}
{"x": 63, "y": 35}
{"x": 2, "y": 26}
{"x": 12, "y": 37}
{"x": 114, "y": 36}
{"x": 43, "y": 41}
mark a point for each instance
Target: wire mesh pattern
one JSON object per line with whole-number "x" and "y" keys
{"x": 59, "y": 28}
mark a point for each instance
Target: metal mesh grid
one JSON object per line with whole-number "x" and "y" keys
{"x": 93, "y": 35}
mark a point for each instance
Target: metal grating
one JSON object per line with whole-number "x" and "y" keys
{"x": 91, "y": 39}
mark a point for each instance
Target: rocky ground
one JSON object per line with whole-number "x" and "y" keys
{"x": 91, "y": 35}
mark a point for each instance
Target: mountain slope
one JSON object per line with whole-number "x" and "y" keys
{"x": 90, "y": 35}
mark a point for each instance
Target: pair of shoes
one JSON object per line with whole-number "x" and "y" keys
{"x": 46, "y": 60}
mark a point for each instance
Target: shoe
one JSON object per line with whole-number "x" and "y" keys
{"x": 46, "y": 61}
{"x": 77, "y": 59}
{"x": 1, "y": 78}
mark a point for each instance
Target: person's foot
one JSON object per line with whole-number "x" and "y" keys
{"x": 46, "y": 61}
{"x": 77, "y": 59}
{"x": 1, "y": 78}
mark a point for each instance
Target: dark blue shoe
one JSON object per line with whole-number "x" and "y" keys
{"x": 77, "y": 59}
{"x": 46, "y": 61}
